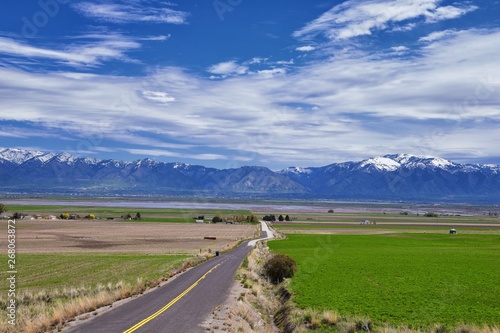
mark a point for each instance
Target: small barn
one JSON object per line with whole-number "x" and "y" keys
{"x": 452, "y": 231}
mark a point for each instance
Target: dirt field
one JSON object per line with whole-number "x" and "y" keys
{"x": 46, "y": 236}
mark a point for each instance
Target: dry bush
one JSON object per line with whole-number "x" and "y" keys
{"x": 329, "y": 317}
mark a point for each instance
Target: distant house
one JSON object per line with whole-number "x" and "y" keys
{"x": 74, "y": 216}
{"x": 453, "y": 231}
{"x": 200, "y": 221}
{"x": 4, "y": 217}
{"x": 365, "y": 222}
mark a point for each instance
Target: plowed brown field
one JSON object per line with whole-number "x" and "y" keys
{"x": 47, "y": 236}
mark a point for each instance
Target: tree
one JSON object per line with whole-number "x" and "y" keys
{"x": 280, "y": 267}
{"x": 138, "y": 216}
{"x": 331, "y": 211}
{"x": 216, "y": 219}
{"x": 281, "y": 218}
{"x": 64, "y": 216}
{"x": 287, "y": 218}
{"x": 3, "y": 208}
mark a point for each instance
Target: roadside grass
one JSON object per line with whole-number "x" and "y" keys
{"x": 48, "y": 294}
{"x": 417, "y": 281}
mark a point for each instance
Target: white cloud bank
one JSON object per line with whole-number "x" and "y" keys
{"x": 355, "y": 18}
{"x": 349, "y": 106}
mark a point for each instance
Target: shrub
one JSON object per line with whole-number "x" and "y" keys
{"x": 280, "y": 267}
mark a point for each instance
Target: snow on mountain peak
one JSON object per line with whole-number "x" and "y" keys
{"x": 178, "y": 165}
{"x": 296, "y": 170}
{"x": 381, "y": 163}
{"x": 46, "y": 157}
{"x": 66, "y": 158}
{"x": 18, "y": 156}
{"x": 440, "y": 162}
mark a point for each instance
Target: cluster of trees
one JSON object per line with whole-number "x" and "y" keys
{"x": 238, "y": 218}
{"x": 128, "y": 216}
{"x": 280, "y": 218}
{"x": 3, "y": 208}
{"x": 431, "y": 214}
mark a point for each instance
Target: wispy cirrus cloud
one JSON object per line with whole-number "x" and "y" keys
{"x": 132, "y": 12}
{"x": 91, "y": 51}
{"x": 355, "y": 18}
{"x": 437, "y": 35}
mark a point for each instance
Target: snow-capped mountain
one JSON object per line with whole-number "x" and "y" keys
{"x": 34, "y": 171}
{"x": 401, "y": 176}
{"x": 18, "y": 156}
{"x": 388, "y": 177}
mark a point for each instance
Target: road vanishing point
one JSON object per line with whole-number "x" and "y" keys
{"x": 178, "y": 306}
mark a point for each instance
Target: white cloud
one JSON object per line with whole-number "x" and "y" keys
{"x": 448, "y": 12}
{"x": 364, "y": 105}
{"x": 91, "y": 53}
{"x": 437, "y": 35}
{"x": 158, "y": 96}
{"x": 268, "y": 73}
{"x": 307, "y": 48}
{"x": 354, "y": 18}
{"x": 399, "y": 48}
{"x": 160, "y": 152}
{"x": 138, "y": 11}
{"x": 160, "y": 38}
{"x": 228, "y": 68}
{"x": 285, "y": 62}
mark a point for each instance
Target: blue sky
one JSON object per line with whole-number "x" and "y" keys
{"x": 226, "y": 83}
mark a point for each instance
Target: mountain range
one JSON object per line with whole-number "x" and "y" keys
{"x": 389, "y": 177}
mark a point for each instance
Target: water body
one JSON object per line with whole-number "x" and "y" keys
{"x": 187, "y": 204}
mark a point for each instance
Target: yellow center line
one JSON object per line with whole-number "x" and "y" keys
{"x": 172, "y": 302}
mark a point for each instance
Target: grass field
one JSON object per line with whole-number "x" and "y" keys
{"x": 43, "y": 271}
{"x": 401, "y": 279}
{"x": 171, "y": 215}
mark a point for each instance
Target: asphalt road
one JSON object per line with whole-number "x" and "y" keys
{"x": 178, "y": 306}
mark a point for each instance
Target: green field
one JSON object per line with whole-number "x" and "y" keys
{"x": 48, "y": 271}
{"x": 170, "y": 215}
{"x": 401, "y": 279}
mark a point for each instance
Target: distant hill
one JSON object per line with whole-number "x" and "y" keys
{"x": 389, "y": 177}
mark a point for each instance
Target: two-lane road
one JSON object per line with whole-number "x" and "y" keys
{"x": 178, "y": 306}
